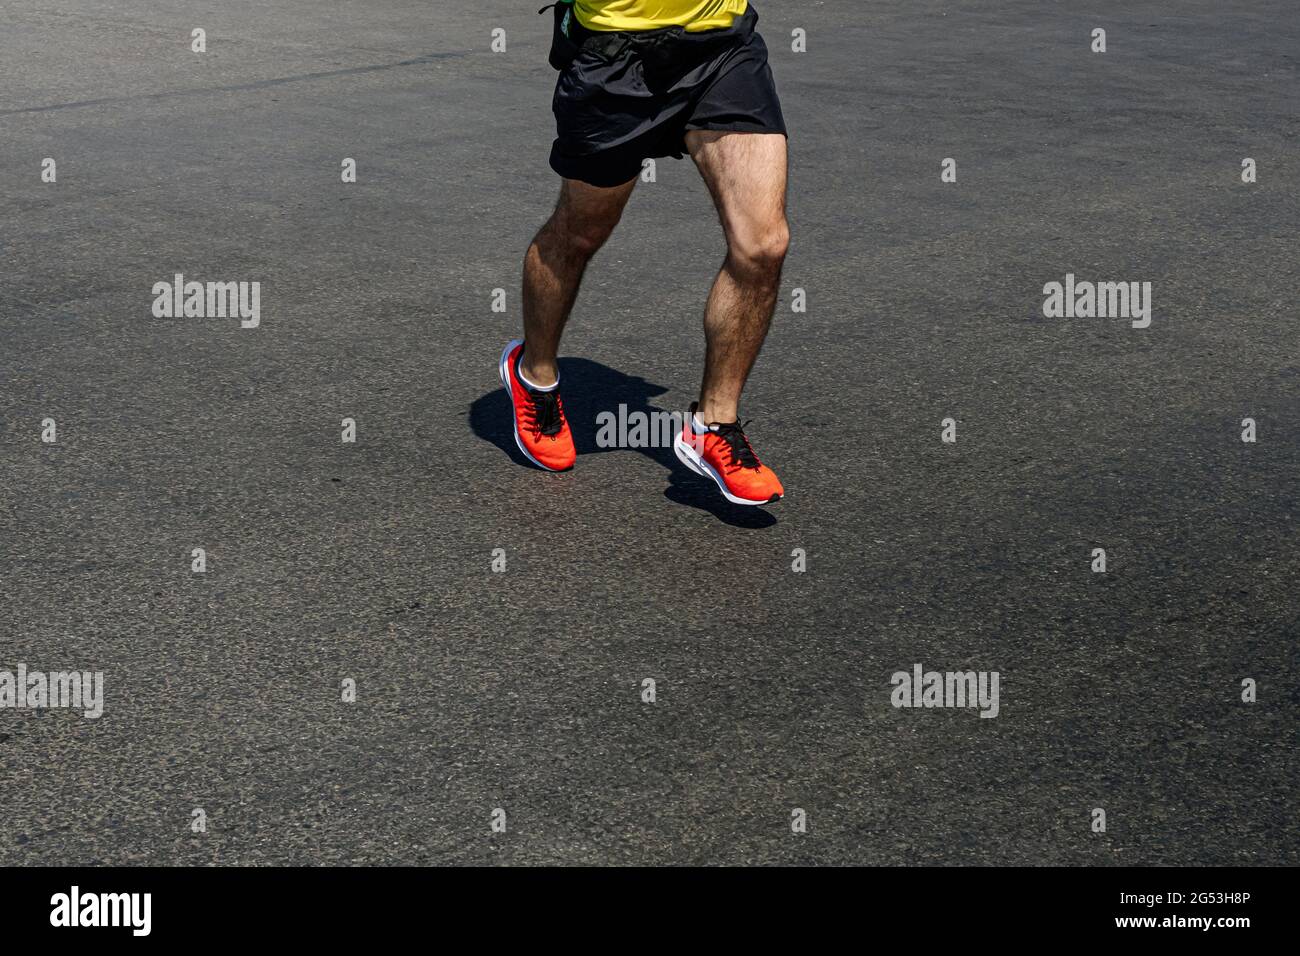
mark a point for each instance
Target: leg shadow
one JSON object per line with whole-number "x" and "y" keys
{"x": 589, "y": 389}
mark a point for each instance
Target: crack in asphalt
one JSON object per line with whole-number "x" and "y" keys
{"x": 239, "y": 87}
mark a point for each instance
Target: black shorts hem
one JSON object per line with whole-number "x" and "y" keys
{"x": 738, "y": 127}
{"x": 596, "y": 169}
{"x": 607, "y": 171}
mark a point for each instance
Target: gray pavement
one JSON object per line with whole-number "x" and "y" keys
{"x": 521, "y": 690}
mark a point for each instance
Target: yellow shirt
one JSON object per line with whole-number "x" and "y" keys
{"x": 694, "y": 15}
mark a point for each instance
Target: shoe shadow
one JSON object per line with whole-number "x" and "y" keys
{"x": 590, "y": 388}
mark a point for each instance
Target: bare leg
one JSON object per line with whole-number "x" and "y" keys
{"x": 746, "y": 174}
{"x": 553, "y": 267}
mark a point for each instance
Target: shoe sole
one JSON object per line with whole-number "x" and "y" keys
{"x": 514, "y": 412}
{"x": 693, "y": 460}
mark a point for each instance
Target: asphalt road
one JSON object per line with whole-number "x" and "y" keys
{"x": 521, "y": 690}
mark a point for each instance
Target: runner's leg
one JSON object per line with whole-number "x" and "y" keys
{"x": 746, "y": 175}
{"x": 584, "y": 218}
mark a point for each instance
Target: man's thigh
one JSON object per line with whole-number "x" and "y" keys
{"x": 746, "y": 175}
{"x": 585, "y": 208}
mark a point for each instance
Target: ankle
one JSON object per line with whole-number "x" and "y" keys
{"x": 720, "y": 412}
{"x": 542, "y": 374}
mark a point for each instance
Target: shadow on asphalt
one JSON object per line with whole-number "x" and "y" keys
{"x": 589, "y": 389}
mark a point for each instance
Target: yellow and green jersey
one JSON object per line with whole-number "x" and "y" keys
{"x": 655, "y": 14}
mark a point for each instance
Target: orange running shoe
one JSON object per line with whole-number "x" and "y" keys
{"x": 541, "y": 431}
{"x": 723, "y": 453}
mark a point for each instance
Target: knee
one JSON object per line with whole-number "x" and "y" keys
{"x": 762, "y": 250}
{"x": 581, "y": 238}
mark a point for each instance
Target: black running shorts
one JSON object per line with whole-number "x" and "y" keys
{"x": 627, "y": 96}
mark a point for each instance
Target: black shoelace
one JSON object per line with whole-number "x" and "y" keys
{"x": 547, "y": 413}
{"x": 733, "y": 433}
